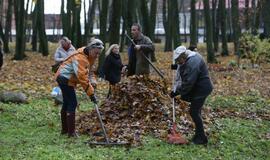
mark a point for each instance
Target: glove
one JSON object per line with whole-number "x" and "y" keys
{"x": 94, "y": 99}
{"x": 174, "y": 66}
{"x": 173, "y": 94}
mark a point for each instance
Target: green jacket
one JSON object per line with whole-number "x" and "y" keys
{"x": 148, "y": 49}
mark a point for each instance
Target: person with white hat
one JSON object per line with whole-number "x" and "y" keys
{"x": 193, "y": 84}
{"x": 75, "y": 70}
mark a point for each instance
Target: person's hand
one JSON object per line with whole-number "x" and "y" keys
{"x": 137, "y": 47}
{"x": 94, "y": 85}
{"x": 94, "y": 98}
{"x": 124, "y": 69}
{"x": 173, "y": 94}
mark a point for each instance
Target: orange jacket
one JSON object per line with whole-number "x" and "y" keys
{"x": 76, "y": 69}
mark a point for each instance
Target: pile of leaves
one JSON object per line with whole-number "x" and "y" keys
{"x": 136, "y": 107}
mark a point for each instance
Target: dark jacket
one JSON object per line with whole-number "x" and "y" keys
{"x": 112, "y": 68}
{"x": 137, "y": 63}
{"x": 196, "y": 82}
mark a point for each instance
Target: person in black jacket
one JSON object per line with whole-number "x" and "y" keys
{"x": 113, "y": 67}
{"x": 193, "y": 84}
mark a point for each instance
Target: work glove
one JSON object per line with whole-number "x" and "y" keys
{"x": 173, "y": 94}
{"x": 173, "y": 66}
{"x": 94, "y": 98}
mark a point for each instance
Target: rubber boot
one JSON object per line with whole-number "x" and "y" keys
{"x": 64, "y": 122}
{"x": 71, "y": 124}
{"x": 200, "y": 139}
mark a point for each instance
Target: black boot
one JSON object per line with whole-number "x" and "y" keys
{"x": 71, "y": 124}
{"x": 200, "y": 139}
{"x": 64, "y": 122}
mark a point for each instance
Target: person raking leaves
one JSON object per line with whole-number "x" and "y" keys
{"x": 193, "y": 84}
{"x": 74, "y": 70}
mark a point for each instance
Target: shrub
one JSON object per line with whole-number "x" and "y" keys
{"x": 255, "y": 49}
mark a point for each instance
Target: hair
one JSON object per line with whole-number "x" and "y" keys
{"x": 192, "y": 48}
{"x": 64, "y": 40}
{"x": 137, "y": 25}
{"x": 110, "y": 49}
{"x": 94, "y": 43}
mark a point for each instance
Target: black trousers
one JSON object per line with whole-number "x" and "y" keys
{"x": 195, "y": 113}
{"x": 69, "y": 95}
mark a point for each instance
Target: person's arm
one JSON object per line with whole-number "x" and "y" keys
{"x": 57, "y": 56}
{"x": 81, "y": 71}
{"x": 147, "y": 46}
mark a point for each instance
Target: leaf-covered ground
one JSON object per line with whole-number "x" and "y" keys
{"x": 238, "y": 110}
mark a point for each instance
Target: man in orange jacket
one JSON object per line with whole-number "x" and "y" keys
{"x": 75, "y": 69}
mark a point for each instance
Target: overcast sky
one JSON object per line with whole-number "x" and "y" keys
{"x": 52, "y": 6}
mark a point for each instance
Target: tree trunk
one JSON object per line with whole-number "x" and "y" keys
{"x": 92, "y": 16}
{"x": 8, "y": 27}
{"x": 115, "y": 22}
{"x": 64, "y": 18}
{"x": 258, "y": 14}
{"x": 145, "y": 18}
{"x": 34, "y": 28}
{"x": 223, "y": 27}
{"x": 176, "y": 32}
{"x": 89, "y": 19}
{"x": 167, "y": 25}
{"x": 182, "y": 10}
{"x": 209, "y": 32}
{"x": 215, "y": 23}
{"x": 235, "y": 24}
{"x": 69, "y": 17}
{"x": 76, "y": 24}
{"x": 43, "y": 42}
{"x": 152, "y": 25}
{"x": 193, "y": 24}
{"x": 124, "y": 25}
{"x": 26, "y": 21}
{"x": 20, "y": 29}
{"x": 266, "y": 18}
{"x": 103, "y": 30}
{"x": 131, "y": 8}
{"x": 247, "y": 23}
{"x": 254, "y": 30}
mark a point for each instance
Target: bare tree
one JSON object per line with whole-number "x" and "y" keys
{"x": 8, "y": 27}
{"x": 223, "y": 27}
{"x": 20, "y": 29}
{"x": 266, "y": 17}
{"x": 115, "y": 22}
{"x": 193, "y": 24}
{"x": 43, "y": 42}
{"x": 103, "y": 30}
{"x": 209, "y": 32}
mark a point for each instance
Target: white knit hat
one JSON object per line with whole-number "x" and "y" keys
{"x": 96, "y": 43}
{"x": 178, "y": 51}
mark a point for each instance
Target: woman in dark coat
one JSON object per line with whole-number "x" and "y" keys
{"x": 113, "y": 67}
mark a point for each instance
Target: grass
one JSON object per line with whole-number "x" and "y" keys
{"x": 31, "y": 131}
{"x": 251, "y": 102}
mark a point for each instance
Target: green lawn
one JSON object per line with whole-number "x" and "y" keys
{"x": 31, "y": 131}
